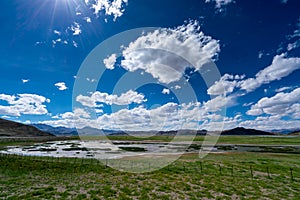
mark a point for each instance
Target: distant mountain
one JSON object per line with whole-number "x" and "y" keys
{"x": 63, "y": 131}
{"x": 91, "y": 131}
{"x": 235, "y": 131}
{"x": 284, "y": 131}
{"x": 15, "y": 129}
{"x": 59, "y": 131}
{"x": 244, "y": 131}
{"x": 296, "y": 133}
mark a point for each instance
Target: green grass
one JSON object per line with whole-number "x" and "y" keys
{"x": 263, "y": 140}
{"x": 217, "y": 176}
{"x": 68, "y": 178}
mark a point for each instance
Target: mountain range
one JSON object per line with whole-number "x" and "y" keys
{"x": 15, "y": 129}
{"x": 93, "y": 131}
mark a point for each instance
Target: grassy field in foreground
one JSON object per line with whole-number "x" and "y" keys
{"x": 217, "y": 176}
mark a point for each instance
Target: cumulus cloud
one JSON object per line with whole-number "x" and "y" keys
{"x": 78, "y": 113}
{"x": 220, "y": 3}
{"x": 170, "y": 116}
{"x": 282, "y": 104}
{"x": 61, "y": 86}
{"x": 29, "y": 104}
{"x": 113, "y": 8}
{"x": 219, "y": 102}
{"x": 165, "y": 91}
{"x": 225, "y": 85}
{"x": 279, "y": 68}
{"x": 110, "y": 99}
{"x": 270, "y": 123}
{"x": 164, "y": 53}
{"x": 110, "y": 61}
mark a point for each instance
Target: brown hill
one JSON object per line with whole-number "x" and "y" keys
{"x": 15, "y": 129}
{"x": 244, "y": 131}
{"x": 296, "y": 133}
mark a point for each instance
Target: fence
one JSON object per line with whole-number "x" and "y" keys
{"x": 205, "y": 167}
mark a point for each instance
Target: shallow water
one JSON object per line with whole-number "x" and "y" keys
{"x": 92, "y": 149}
{"x": 118, "y": 149}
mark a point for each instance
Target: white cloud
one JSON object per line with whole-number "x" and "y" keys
{"x": 39, "y": 43}
{"x": 294, "y": 45}
{"x": 280, "y": 67}
{"x": 75, "y": 28}
{"x": 25, "y": 80}
{"x": 110, "y": 99}
{"x": 164, "y": 53}
{"x": 284, "y": 1}
{"x": 61, "y": 86}
{"x": 75, "y": 44}
{"x": 219, "y": 102}
{"x": 78, "y": 113}
{"x": 87, "y": 19}
{"x": 92, "y": 80}
{"x": 225, "y": 85}
{"x": 113, "y": 8}
{"x": 170, "y": 116}
{"x": 57, "y": 32}
{"x": 166, "y": 117}
{"x": 177, "y": 87}
{"x": 29, "y": 104}
{"x": 248, "y": 104}
{"x": 220, "y": 3}
{"x": 165, "y": 91}
{"x": 283, "y": 89}
{"x": 294, "y": 38}
{"x": 260, "y": 54}
{"x": 282, "y": 104}
{"x": 110, "y": 61}
{"x": 59, "y": 41}
{"x": 270, "y": 123}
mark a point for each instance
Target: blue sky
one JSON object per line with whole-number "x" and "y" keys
{"x": 253, "y": 44}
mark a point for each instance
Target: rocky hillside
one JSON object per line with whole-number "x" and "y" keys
{"x": 15, "y": 129}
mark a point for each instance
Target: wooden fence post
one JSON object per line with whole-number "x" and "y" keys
{"x": 292, "y": 176}
{"x": 201, "y": 167}
{"x": 268, "y": 171}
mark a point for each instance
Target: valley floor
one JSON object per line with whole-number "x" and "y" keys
{"x": 217, "y": 176}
